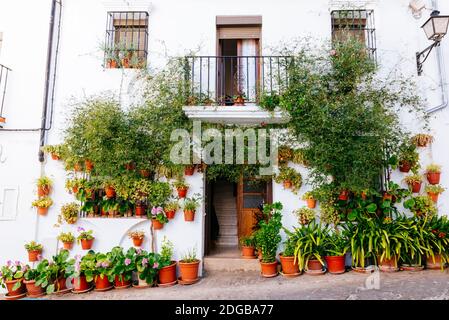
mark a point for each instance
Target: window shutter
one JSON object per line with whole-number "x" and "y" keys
{"x": 8, "y": 202}
{"x": 239, "y": 32}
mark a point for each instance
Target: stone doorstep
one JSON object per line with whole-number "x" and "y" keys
{"x": 230, "y": 264}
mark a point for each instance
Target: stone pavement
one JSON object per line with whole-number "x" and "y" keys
{"x": 427, "y": 285}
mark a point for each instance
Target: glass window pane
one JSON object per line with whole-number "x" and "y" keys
{"x": 253, "y": 186}
{"x": 252, "y": 201}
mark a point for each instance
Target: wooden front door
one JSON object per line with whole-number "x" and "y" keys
{"x": 251, "y": 194}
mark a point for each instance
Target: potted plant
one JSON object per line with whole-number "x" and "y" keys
{"x": 34, "y": 251}
{"x": 30, "y": 280}
{"x": 309, "y": 250}
{"x": 170, "y": 209}
{"x": 305, "y": 215}
{"x": 248, "y": 247}
{"x": 67, "y": 239}
{"x": 268, "y": 238}
{"x": 436, "y": 241}
{"x": 190, "y": 206}
{"x": 433, "y": 191}
{"x": 421, "y": 206}
{"x": 42, "y": 205}
{"x": 310, "y": 199}
{"x": 122, "y": 266}
{"x": 290, "y": 178}
{"x": 414, "y": 182}
{"x": 147, "y": 267}
{"x": 69, "y": 213}
{"x": 422, "y": 139}
{"x": 344, "y": 195}
{"x": 44, "y": 185}
{"x": 287, "y": 257}
{"x": 137, "y": 237}
{"x": 103, "y": 276}
{"x": 54, "y": 150}
{"x": 61, "y": 269}
{"x": 335, "y": 247}
{"x": 239, "y": 99}
{"x": 140, "y": 193}
{"x": 181, "y": 187}
{"x": 158, "y": 218}
{"x": 189, "y": 170}
{"x": 85, "y": 238}
{"x": 412, "y": 255}
{"x": 167, "y": 271}
{"x": 408, "y": 157}
{"x": 285, "y": 154}
{"x": 88, "y": 165}
{"x": 188, "y": 266}
{"x": 433, "y": 172}
{"x": 83, "y": 275}
{"x": 11, "y": 278}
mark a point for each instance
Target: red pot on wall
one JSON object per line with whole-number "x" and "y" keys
{"x": 43, "y": 191}
{"x": 140, "y": 210}
{"x": 42, "y": 211}
{"x": 33, "y": 255}
{"x": 137, "y": 242}
{"x": 170, "y": 214}
{"x": 157, "y": 225}
{"x": 434, "y": 177}
{"x": 433, "y": 196}
{"x": 189, "y": 170}
{"x": 335, "y": 264}
{"x": 68, "y": 245}
{"x": 404, "y": 166}
{"x": 344, "y": 194}
{"x": 110, "y": 192}
{"x": 287, "y": 184}
{"x": 54, "y": 156}
{"x": 416, "y": 187}
{"x": 182, "y": 192}
{"x": 311, "y": 203}
{"x": 87, "y": 244}
{"x": 89, "y": 165}
{"x": 189, "y": 215}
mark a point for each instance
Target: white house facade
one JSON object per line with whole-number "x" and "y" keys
{"x": 57, "y": 58}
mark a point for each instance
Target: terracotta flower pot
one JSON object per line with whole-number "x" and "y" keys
{"x": 343, "y": 195}
{"x": 121, "y": 283}
{"x": 433, "y": 177}
{"x": 314, "y": 265}
{"x": 42, "y": 211}
{"x": 170, "y": 214}
{"x": 68, "y": 245}
{"x": 33, "y": 255}
{"x": 87, "y": 244}
{"x": 434, "y": 264}
{"x": 125, "y": 63}
{"x": 54, "y": 156}
{"x": 168, "y": 274}
{"x": 269, "y": 269}
{"x": 433, "y": 196}
{"x": 416, "y": 187}
{"x": 32, "y": 289}
{"x": 137, "y": 242}
{"x": 144, "y": 173}
{"x": 287, "y": 184}
{"x": 60, "y": 284}
{"x": 89, "y": 165}
{"x": 189, "y": 171}
{"x": 335, "y": 264}
{"x": 112, "y": 64}
{"x": 311, "y": 203}
{"x": 189, "y": 215}
{"x": 388, "y": 265}
{"x": 11, "y": 283}
{"x": 130, "y": 166}
{"x": 363, "y": 195}
{"x": 157, "y": 225}
{"x": 80, "y": 284}
{"x": 189, "y": 270}
{"x": 43, "y": 191}
{"x": 405, "y": 166}
{"x": 182, "y": 192}
{"x": 77, "y": 167}
{"x": 75, "y": 190}
{"x": 289, "y": 266}
{"x": 248, "y": 252}
{"x": 140, "y": 210}
{"x": 102, "y": 283}
{"x": 110, "y": 192}
{"x": 387, "y": 196}
{"x": 239, "y": 101}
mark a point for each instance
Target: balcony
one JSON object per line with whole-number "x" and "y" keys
{"x": 4, "y": 71}
{"x": 228, "y": 89}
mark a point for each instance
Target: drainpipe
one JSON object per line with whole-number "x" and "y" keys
{"x": 47, "y": 81}
{"x": 442, "y": 72}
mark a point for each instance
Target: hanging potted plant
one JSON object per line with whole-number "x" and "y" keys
{"x": 414, "y": 182}
{"x": 85, "y": 238}
{"x": 11, "y": 278}
{"x": 42, "y": 205}
{"x": 88, "y": 165}
{"x": 137, "y": 237}
{"x": 305, "y": 215}
{"x": 289, "y": 263}
{"x": 344, "y": 195}
{"x": 158, "y": 218}
{"x": 34, "y": 251}
{"x": 335, "y": 247}
{"x": 247, "y": 244}
{"x": 408, "y": 157}
{"x": 167, "y": 272}
{"x": 171, "y": 208}
{"x": 69, "y": 213}
{"x": 123, "y": 267}
{"x": 433, "y": 191}
{"x": 54, "y": 150}
{"x": 268, "y": 238}
{"x": 422, "y": 139}
{"x": 421, "y": 206}
{"x": 67, "y": 240}
{"x": 147, "y": 266}
{"x": 290, "y": 178}
{"x": 103, "y": 275}
{"x": 310, "y": 199}
{"x": 285, "y": 154}
{"x": 189, "y": 266}
{"x": 44, "y": 185}
{"x": 181, "y": 187}
{"x": 83, "y": 275}
{"x": 189, "y": 170}
{"x": 140, "y": 193}
{"x": 190, "y": 206}
{"x": 109, "y": 189}
{"x": 433, "y": 172}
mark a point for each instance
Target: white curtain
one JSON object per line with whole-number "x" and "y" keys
{"x": 247, "y": 68}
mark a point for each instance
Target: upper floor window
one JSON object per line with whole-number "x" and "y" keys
{"x": 356, "y": 24}
{"x": 126, "y": 39}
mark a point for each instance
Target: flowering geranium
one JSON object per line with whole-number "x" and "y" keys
{"x": 158, "y": 214}
{"x": 11, "y": 272}
{"x": 147, "y": 265}
{"x": 123, "y": 263}
{"x": 103, "y": 266}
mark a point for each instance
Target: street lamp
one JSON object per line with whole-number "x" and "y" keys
{"x": 435, "y": 29}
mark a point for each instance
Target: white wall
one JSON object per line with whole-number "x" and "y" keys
{"x": 175, "y": 28}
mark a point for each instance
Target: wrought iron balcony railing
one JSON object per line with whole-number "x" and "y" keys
{"x": 220, "y": 80}
{"x": 4, "y": 71}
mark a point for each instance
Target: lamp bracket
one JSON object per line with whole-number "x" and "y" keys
{"x": 422, "y": 56}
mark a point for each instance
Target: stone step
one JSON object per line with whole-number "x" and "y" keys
{"x": 228, "y": 230}
{"x": 227, "y": 241}
{"x": 231, "y": 264}
{"x": 227, "y": 221}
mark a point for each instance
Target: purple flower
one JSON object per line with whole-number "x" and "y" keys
{"x": 39, "y": 257}
{"x": 144, "y": 262}
{"x": 333, "y": 53}
{"x": 17, "y": 263}
{"x": 1, "y": 274}
{"x": 127, "y": 262}
{"x": 155, "y": 265}
{"x": 98, "y": 265}
{"x": 156, "y": 210}
{"x": 138, "y": 250}
{"x": 9, "y": 263}
{"x": 105, "y": 264}
{"x": 80, "y": 229}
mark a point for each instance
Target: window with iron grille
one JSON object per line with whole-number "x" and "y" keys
{"x": 126, "y": 39}
{"x": 356, "y": 24}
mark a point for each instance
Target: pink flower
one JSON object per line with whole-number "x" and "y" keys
{"x": 39, "y": 257}
{"x": 98, "y": 265}
{"x": 156, "y": 210}
{"x": 127, "y": 262}
{"x": 155, "y": 265}
{"x": 333, "y": 53}
{"x": 105, "y": 264}
{"x": 9, "y": 263}
{"x": 17, "y": 263}
{"x": 144, "y": 262}
{"x": 138, "y": 250}
{"x": 1, "y": 274}
{"x": 80, "y": 229}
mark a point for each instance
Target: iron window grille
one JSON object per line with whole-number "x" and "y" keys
{"x": 358, "y": 24}
{"x": 126, "y": 39}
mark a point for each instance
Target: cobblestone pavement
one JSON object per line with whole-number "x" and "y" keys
{"x": 427, "y": 285}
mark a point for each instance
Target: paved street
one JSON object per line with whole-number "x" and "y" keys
{"x": 428, "y": 285}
